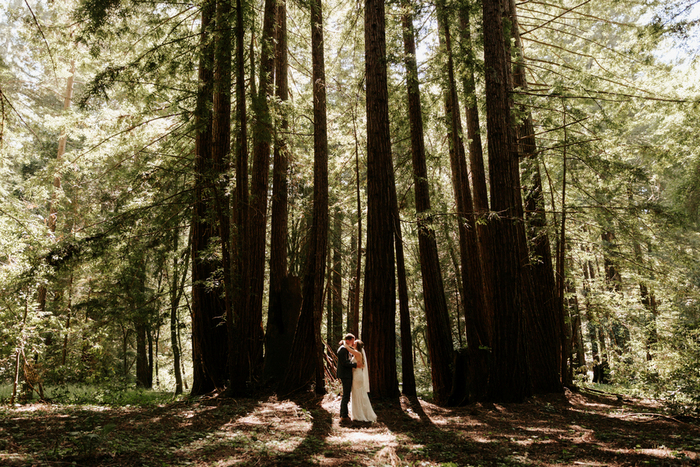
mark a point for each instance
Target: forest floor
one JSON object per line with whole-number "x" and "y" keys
{"x": 583, "y": 428}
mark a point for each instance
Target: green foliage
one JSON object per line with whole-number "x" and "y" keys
{"x": 114, "y": 393}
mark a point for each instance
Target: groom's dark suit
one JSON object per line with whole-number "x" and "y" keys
{"x": 345, "y": 367}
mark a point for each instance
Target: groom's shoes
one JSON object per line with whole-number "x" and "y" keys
{"x": 345, "y": 420}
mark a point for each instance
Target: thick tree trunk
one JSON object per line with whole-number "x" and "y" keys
{"x": 251, "y": 336}
{"x": 221, "y": 157}
{"x": 509, "y": 376}
{"x": 437, "y": 315}
{"x": 241, "y": 215}
{"x": 404, "y": 312}
{"x": 308, "y": 346}
{"x": 546, "y": 320}
{"x": 262, "y": 133}
{"x": 379, "y": 304}
{"x": 143, "y": 373}
{"x": 473, "y": 297}
{"x": 209, "y": 340}
{"x": 477, "y": 172}
{"x": 285, "y": 298}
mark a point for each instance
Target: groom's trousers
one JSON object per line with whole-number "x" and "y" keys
{"x": 347, "y": 387}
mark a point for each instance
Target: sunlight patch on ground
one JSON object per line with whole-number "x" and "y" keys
{"x": 660, "y": 452}
{"x": 362, "y": 436}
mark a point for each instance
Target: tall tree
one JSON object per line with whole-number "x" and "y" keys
{"x": 308, "y": 346}
{"x": 353, "y": 318}
{"x": 221, "y": 158}
{"x": 509, "y": 377}
{"x": 177, "y": 287}
{"x": 545, "y": 320}
{"x": 439, "y": 336}
{"x": 473, "y": 296}
{"x": 209, "y": 335}
{"x": 379, "y": 302}
{"x": 252, "y": 337}
{"x": 241, "y": 215}
{"x": 283, "y": 308}
{"x": 477, "y": 173}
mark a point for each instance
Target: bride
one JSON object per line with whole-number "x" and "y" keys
{"x": 360, "y": 404}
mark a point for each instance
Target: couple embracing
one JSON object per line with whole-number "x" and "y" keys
{"x": 352, "y": 371}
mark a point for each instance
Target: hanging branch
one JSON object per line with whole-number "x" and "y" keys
{"x": 48, "y": 49}
{"x": 556, "y": 17}
{"x": 3, "y": 97}
{"x": 585, "y": 15}
{"x": 593, "y": 91}
{"x": 562, "y": 31}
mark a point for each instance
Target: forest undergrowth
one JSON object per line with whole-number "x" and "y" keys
{"x": 583, "y": 428}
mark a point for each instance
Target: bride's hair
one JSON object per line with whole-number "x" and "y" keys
{"x": 359, "y": 345}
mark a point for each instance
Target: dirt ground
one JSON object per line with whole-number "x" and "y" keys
{"x": 578, "y": 428}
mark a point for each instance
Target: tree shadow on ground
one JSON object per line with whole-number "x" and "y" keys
{"x": 97, "y": 435}
{"x": 575, "y": 428}
{"x": 419, "y": 437}
{"x": 315, "y": 442}
{"x": 545, "y": 430}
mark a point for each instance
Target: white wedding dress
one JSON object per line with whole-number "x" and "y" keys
{"x": 360, "y": 406}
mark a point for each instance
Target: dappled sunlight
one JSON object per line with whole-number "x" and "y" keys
{"x": 378, "y": 436}
{"x": 307, "y": 431}
{"x": 661, "y": 453}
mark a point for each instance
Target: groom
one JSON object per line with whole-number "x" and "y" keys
{"x": 345, "y": 367}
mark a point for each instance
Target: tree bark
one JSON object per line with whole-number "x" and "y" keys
{"x": 221, "y": 158}
{"x": 404, "y": 312}
{"x": 437, "y": 315}
{"x": 509, "y": 377}
{"x": 241, "y": 215}
{"x": 209, "y": 340}
{"x": 546, "y": 320}
{"x": 379, "y": 303}
{"x": 353, "y": 323}
{"x": 477, "y": 172}
{"x": 475, "y": 312}
{"x": 252, "y": 331}
{"x": 308, "y": 346}
{"x": 283, "y": 310}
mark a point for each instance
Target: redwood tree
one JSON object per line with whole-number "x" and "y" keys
{"x": 284, "y": 303}
{"x": 477, "y": 316}
{"x": 545, "y": 320}
{"x": 509, "y": 377}
{"x": 209, "y": 340}
{"x": 252, "y": 332}
{"x": 437, "y": 316}
{"x": 379, "y": 302}
{"x": 307, "y": 346}
{"x": 241, "y": 234}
